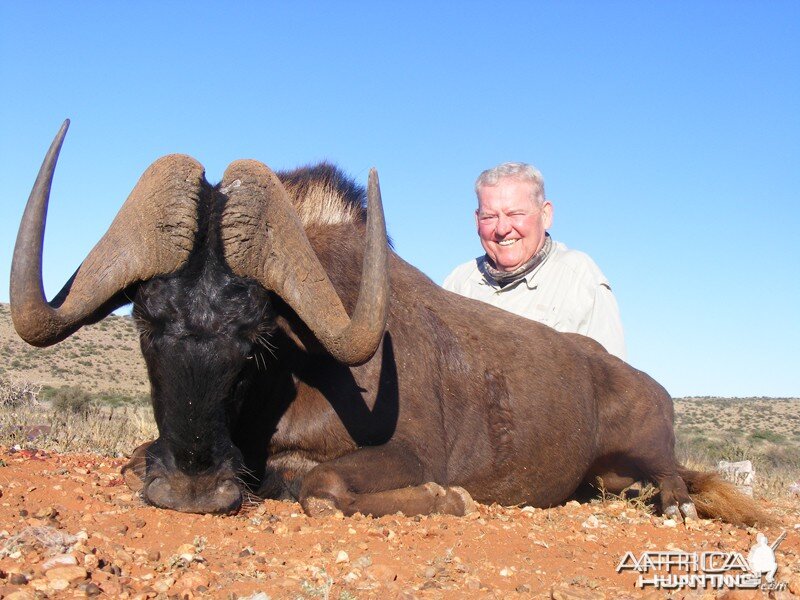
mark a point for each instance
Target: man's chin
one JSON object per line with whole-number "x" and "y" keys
{"x": 507, "y": 264}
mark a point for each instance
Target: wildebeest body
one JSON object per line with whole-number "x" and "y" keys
{"x": 505, "y": 407}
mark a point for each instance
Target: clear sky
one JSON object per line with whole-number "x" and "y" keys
{"x": 668, "y": 134}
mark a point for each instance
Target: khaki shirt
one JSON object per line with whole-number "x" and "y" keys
{"x": 567, "y": 291}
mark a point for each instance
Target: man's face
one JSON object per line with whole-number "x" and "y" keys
{"x": 510, "y": 223}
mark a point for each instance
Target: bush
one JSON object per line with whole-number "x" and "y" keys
{"x": 15, "y": 394}
{"x": 70, "y": 399}
{"x": 769, "y": 436}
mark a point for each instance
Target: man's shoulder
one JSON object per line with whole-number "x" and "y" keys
{"x": 578, "y": 263}
{"x": 463, "y": 273}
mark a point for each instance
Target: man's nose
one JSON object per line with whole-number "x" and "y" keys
{"x": 503, "y": 227}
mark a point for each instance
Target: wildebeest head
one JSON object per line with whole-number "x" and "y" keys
{"x": 202, "y": 265}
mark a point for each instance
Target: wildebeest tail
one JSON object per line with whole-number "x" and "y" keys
{"x": 716, "y": 498}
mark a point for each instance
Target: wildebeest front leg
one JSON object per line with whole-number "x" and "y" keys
{"x": 378, "y": 481}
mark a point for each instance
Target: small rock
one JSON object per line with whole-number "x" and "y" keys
{"x": 794, "y": 585}
{"x": 670, "y": 523}
{"x": 591, "y": 523}
{"x": 342, "y": 557}
{"x": 89, "y": 588}
{"x": 46, "y": 513}
{"x": 72, "y": 573}
{"x": 154, "y": 556}
{"x": 17, "y": 579}
{"x": 430, "y": 572}
{"x": 162, "y": 586}
{"x": 91, "y": 562}
{"x": 40, "y": 585}
{"x": 20, "y": 595}
{"x": 58, "y": 585}
{"x": 186, "y": 549}
{"x": 382, "y": 573}
{"x": 362, "y": 562}
{"x": 191, "y": 581}
{"x": 59, "y": 560}
{"x": 504, "y": 572}
{"x": 472, "y": 583}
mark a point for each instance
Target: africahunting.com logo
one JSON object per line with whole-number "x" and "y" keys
{"x": 676, "y": 569}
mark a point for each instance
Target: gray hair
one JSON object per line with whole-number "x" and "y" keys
{"x": 514, "y": 170}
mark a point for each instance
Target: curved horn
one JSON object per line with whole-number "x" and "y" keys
{"x": 264, "y": 239}
{"x": 151, "y": 235}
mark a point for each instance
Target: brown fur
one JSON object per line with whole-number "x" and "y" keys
{"x": 716, "y": 498}
{"x": 507, "y": 408}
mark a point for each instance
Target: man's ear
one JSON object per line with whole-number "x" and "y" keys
{"x": 547, "y": 214}
{"x": 477, "y": 224}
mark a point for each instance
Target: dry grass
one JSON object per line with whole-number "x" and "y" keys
{"x": 639, "y": 496}
{"x": 80, "y": 427}
{"x": 765, "y": 431}
{"x": 87, "y": 394}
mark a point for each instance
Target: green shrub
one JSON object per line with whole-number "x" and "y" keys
{"x": 71, "y": 399}
{"x": 768, "y": 436}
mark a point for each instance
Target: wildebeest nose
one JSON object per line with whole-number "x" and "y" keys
{"x": 228, "y": 496}
{"x": 194, "y": 494}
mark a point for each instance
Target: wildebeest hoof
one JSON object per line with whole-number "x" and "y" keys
{"x": 451, "y": 500}
{"x": 686, "y": 512}
{"x": 689, "y": 511}
{"x": 134, "y": 470}
{"x": 460, "y": 498}
{"x": 672, "y": 512}
{"x": 319, "y": 507}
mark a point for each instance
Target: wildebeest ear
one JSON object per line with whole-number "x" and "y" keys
{"x": 263, "y": 239}
{"x": 152, "y": 234}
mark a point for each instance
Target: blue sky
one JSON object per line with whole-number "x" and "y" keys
{"x": 668, "y": 134}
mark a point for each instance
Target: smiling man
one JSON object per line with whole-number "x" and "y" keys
{"x": 524, "y": 271}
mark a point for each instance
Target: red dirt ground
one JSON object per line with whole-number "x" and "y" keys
{"x": 70, "y": 528}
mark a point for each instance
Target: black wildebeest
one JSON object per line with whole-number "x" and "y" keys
{"x": 421, "y": 401}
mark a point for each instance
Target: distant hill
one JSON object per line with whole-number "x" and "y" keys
{"x": 104, "y": 357}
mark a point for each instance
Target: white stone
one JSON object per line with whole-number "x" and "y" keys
{"x": 740, "y": 473}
